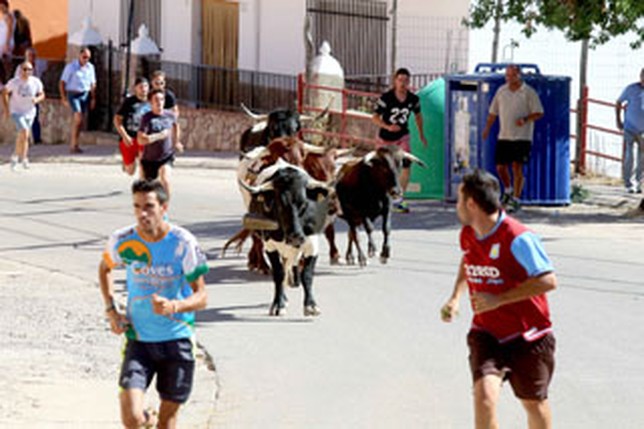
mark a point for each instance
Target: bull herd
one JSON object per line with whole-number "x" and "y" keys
{"x": 293, "y": 191}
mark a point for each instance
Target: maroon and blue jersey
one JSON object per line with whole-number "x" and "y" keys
{"x": 502, "y": 260}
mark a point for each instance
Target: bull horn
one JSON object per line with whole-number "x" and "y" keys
{"x": 257, "y": 153}
{"x": 320, "y": 115}
{"x": 415, "y": 159}
{"x": 311, "y": 148}
{"x": 314, "y": 183}
{"x": 266, "y": 186}
{"x": 255, "y": 116}
{"x": 368, "y": 157}
{"x": 344, "y": 152}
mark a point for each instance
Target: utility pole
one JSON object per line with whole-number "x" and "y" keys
{"x": 581, "y": 108}
{"x": 394, "y": 28}
{"x": 128, "y": 47}
{"x": 497, "y": 30}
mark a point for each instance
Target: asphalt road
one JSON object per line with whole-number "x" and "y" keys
{"x": 378, "y": 356}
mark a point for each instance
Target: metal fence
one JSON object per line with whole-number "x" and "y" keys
{"x": 356, "y": 30}
{"x": 216, "y": 87}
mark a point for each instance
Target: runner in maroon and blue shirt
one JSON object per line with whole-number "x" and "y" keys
{"x": 508, "y": 273}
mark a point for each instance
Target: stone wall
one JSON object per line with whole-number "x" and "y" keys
{"x": 201, "y": 129}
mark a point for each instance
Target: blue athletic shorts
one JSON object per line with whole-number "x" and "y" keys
{"x": 173, "y": 362}
{"x": 78, "y": 101}
{"x": 23, "y": 122}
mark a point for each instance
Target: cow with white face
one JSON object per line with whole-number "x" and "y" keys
{"x": 288, "y": 209}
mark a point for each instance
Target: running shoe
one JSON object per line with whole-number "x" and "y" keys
{"x": 513, "y": 205}
{"x": 25, "y": 164}
{"x": 400, "y": 207}
{"x": 14, "y": 162}
{"x": 505, "y": 199}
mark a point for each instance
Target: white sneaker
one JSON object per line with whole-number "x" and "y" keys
{"x": 25, "y": 164}
{"x": 14, "y": 162}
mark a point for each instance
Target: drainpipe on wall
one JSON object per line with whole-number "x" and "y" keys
{"x": 394, "y": 35}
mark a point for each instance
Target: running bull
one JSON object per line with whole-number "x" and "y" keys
{"x": 365, "y": 188}
{"x": 288, "y": 209}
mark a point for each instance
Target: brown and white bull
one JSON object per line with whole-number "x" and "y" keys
{"x": 365, "y": 188}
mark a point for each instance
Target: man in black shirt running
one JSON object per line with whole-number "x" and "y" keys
{"x": 392, "y": 113}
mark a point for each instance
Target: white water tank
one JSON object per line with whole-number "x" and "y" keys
{"x": 326, "y": 71}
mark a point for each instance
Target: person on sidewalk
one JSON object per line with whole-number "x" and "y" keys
{"x": 518, "y": 107}
{"x": 633, "y": 127}
{"x": 392, "y": 113}
{"x": 165, "y": 286}
{"x": 159, "y": 136}
{"x": 21, "y": 95}
{"x": 508, "y": 274}
{"x": 77, "y": 88}
{"x": 127, "y": 122}
{"x": 39, "y": 68}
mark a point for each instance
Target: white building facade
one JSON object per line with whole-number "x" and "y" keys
{"x": 268, "y": 35}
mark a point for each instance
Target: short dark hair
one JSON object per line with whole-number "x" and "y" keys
{"x": 402, "y": 71}
{"x": 139, "y": 80}
{"x": 142, "y": 186}
{"x": 484, "y": 189}
{"x": 155, "y": 92}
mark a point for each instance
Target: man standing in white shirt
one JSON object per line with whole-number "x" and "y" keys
{"x": 518, "y": 106}
{"x": 20, "y": 96}
{"x": 77, "y": 87}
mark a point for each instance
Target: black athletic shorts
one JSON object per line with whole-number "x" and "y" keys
{"x": 509, "y": 151}
{"x": 527, "y": 365}
{"x": 151, "y": 168}
{"x": 173, "y": 362}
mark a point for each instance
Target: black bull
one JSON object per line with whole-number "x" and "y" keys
{"x": 278, "y": 123}
{"x": 365, "y": 190}
{"x": 288, "y": 210}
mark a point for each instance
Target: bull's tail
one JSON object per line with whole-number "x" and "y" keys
{"x": 238, "y": 239}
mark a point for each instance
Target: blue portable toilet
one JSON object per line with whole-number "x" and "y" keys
{"x": 467, "y": 99}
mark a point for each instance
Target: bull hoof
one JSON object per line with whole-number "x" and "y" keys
{"x": 383, "y": 259}
{"x": 362, "y": 261}
{"x": 350, "y": 260}
{"x": 276, "y": 310}
{"x": 371, "y": 252}
{"x": 311, "y": 310}
{"x": 335, "y": 260}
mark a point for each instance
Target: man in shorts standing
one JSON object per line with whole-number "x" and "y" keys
{"x": 159, "y": 136}
{"x": 508, "y": 274}
{"x": 20, "y": 97}
{"x": 127, "y": 122}
{"x": 392, "y": 113}
{"x": 633, "y": 127}
{"x": 77, "y": 88}
{"x": 165, "y": 286}
{"x": 518, "y": 106}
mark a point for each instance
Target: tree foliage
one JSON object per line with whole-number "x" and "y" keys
{"x": 595, "y": 20}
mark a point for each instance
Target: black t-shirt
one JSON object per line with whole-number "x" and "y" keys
{"x": 151, "y": 123}
{"x": 132, "y": 110}
{"x": 170, "y": 100}
{"x": 393, "y": 111}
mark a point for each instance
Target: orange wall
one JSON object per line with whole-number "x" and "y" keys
{"x": 48, "y": 19}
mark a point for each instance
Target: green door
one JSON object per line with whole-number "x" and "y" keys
{"x": 428, "y": 183}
